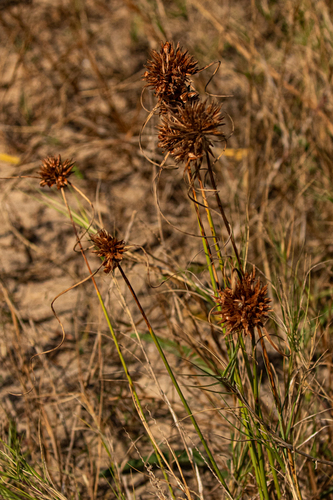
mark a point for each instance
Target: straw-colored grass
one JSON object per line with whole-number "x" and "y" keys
{"x": 152, "y": 383}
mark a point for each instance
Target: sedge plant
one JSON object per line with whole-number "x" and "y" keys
{"x": 187, "y": 133}
{"x": 111, "y": 250}
{"x": 263, "y": 445}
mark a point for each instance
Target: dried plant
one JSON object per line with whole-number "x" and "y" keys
{"x": 274, "y": 422}
{"x": 168, "y": 73}
{"x": 187, "y": 134}
{"x": 245, "y": 305}
{"x": 110, "y": 248}
{"x": 54, "y": 171}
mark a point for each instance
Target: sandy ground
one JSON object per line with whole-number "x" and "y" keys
{"x": 70, "y": 84}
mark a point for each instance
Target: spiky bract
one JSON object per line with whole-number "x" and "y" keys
{"x": 54, "y": 171}
{"x": 109, "y": 248}
{"x": 168, "y": 73}
{"x": 243, "y": 306}
{"x": 187, "y": 133}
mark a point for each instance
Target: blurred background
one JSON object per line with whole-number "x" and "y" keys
{"x": 71, "y": 84}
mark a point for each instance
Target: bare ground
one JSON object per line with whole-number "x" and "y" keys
{"x": 70, "y": 84}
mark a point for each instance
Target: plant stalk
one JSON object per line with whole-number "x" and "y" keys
{"x": 114, "y": 338}
{"x": 175, "y": 383}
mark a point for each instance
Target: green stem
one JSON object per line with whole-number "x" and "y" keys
{"x": 122, "y": 360}
{"x": 132, "y": 387}
{"x": 208, "y": 253}
{"x": 176, "y": 385}
{"x": 212, "y": 226}
{"x": 244, "y": 413}
{"x": 253, "y": 379}
{"x": 258, "y": 412}
{"x": 219, "y": 204}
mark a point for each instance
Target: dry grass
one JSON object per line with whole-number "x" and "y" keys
{"x": 70, "y": 83}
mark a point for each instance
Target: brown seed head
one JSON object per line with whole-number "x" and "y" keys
{"x": 108, "y": 247}
{"x": 187, "y": 133}
{"x": 54, "y": 171}
{"x": 168, "y": 73}
{"x": 244, "y": 306}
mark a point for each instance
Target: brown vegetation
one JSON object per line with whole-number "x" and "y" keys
{"x": 96, "y": 424}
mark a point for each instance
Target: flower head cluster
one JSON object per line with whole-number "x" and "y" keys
{"x": 110, "y": 248}
{"x": 244, "y": 306}
{"x": 188, "y": 132}
{"x": 168, "y": 73}
{"x": 54, "y": 171}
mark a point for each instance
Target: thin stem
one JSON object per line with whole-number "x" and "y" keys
{"x": 208, "y": 253}
{"x": 258, "y": 412}
{"x": 211, "y": 225}
{"x": 114, "y": 338}
{"x": 256, "y": 457}
{"x": 175, "y": 383}
{"x": 278, "y": 405}
{"x": 78, "y": 238}
{"x": 219, "y": 204}
{"x": 253, "y": 378}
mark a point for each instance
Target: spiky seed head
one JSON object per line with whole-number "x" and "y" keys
{"x": 54, "y": 171}
{"x": 243, "y": 306}
{"x": 188, "y": 133}
{"x": 168, "y": 73}
{"x": 109, "y": 248}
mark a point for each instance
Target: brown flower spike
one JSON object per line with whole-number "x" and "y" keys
{"x": 243, "y": 306}
{"x": 187, "y": 133}
{"x": 54, "y": 171}
{"x": 168, "y": 73}
{"x": 108, "y": 247}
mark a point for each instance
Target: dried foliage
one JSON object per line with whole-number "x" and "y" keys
{"x": 168, "y": 73}
{"x": 243, "y": 306}
{"x": 5, "y": 4}
{"x": 187, "y": 134}
{"x": 69, "y": 84}
{"x": 54, "y": 171}
{"x": 109, "y": 248}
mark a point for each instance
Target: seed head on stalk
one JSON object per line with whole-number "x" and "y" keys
{"x": 244, "y": 306}
{"x": 110, "y": 248}
{"x": 187, "y": 133}
{"x": 168, "y": 73}
{"x": 54, "y": 171}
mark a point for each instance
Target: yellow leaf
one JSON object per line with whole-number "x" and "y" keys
{"x": 14, "y": 160}
{"x": 238, "y": 154}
